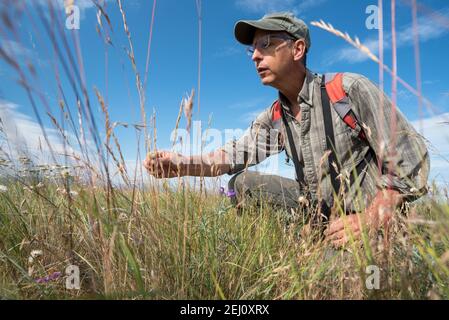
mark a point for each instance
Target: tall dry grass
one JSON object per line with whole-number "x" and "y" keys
{"x": 160, "y": 240}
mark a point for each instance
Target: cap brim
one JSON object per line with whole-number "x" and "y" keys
{"x": 244, "y": 30}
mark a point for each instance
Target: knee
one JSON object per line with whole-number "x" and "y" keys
{"x": 241, "y": 182}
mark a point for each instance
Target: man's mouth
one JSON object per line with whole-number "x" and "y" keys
{"x": 261, "y": 70}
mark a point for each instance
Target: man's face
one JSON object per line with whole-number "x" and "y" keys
{"x": 273, "y": 57}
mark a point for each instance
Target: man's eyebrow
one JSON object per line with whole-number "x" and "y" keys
{"x": 260, "y": 37}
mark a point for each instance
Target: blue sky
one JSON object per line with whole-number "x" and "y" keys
{"x": 231, "y": 92}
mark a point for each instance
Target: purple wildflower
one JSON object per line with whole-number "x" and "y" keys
{"x": 53, "y": 276}
{"x": 222, "y": 191}
{"x": 43, "y": 280}
{"x": 231, "y": 193}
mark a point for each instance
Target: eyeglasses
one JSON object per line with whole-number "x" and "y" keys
{"x": 264, "y": 42}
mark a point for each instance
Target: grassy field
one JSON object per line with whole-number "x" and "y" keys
{"x": 179, "y": 244}
{"x": 170, "y": 241}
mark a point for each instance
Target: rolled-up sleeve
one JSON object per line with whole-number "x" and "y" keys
{"x": 400, "y": 148}
{"x": 260, "y": 141}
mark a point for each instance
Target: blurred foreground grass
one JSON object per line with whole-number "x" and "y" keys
{"x": 178, "y": 244}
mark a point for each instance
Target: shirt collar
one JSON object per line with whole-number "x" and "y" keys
{"x": 306, "y": 93}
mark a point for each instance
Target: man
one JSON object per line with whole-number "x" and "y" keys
{"x": 364, "y": 168}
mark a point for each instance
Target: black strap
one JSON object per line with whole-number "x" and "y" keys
{"x": 362, "y": 164}
{"x": 330, "y": 138}
{"x": 330, "y": 141}
{"x": 291, "y": 142}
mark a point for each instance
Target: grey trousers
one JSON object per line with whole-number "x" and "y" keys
{"x": 280, "y": 192}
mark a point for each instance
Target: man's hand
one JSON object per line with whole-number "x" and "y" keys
{"x": 378, "y": 214}
{"x": 165, "y": 164}
{"x": 343, "y": 229}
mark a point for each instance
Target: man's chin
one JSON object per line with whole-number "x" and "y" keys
{"x": 266, "y": 81}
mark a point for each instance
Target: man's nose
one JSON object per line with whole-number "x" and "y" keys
{"x": 257, "y": 55}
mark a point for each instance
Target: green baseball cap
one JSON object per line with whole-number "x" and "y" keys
{"x": 244, "y": 30}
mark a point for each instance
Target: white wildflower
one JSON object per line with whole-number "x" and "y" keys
{"x": 33, "y": 255}
{"x": 61, "y": 191}
{"x": 65, "y": 173}
{"x": 73, "y": 193}
{"x": 122, "y": 216}
{"x": 28, "y": 188}
{"x": 303, "y": 201}
{"x": 3, "y": 188}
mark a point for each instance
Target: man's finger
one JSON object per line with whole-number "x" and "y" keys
{"x": 334, "y": 226}
{"x": 339, "y": 243}
{"x": 353, "y": 229}
{"x": 341, "y": 227}
{"x": 157, "y": 154}
{"x": 162, "y": 160}
{"x": 160, "y": 170}
{"x": 340, "y": 223}
{"x": 337, "y": 235}
{"x": 345, "y": 238}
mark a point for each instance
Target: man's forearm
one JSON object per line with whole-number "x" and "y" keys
{"x": 209, "y": 165}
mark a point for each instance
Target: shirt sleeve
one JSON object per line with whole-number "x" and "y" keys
{"x": 400, "y": 148}
{"x": 260, "y": 141}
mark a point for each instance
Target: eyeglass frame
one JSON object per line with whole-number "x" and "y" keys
{"x": 250, "y": 49}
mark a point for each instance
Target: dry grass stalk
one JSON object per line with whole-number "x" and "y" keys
{"x": 107, "y": 121}
{"x": 138, "y": 81}
{"x": 188, "y": 107}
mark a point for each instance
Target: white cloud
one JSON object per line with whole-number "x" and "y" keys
{"x": 229, "y": 51}
{"x": 430, "y": 82}
{"x": 250, "y": 103}
{"x": 276, "y": 165}
{"x": 81, "y": 4}
{"x": 267, "y": 6}
{"x": 26, "y": 137}
{"x": 21, "y": 54}
{"x": 308, "y": 4}
{"x": 253, "y": 105}
{"x": 405, "y": 95}
{"x": 262, "y": 6}
{"x": 436, "y": 131}
{"x": 428, "y": 30}
{"x": 352, "y": 55}
{"x": 85, "y": 4}
{"x": 15, "y": 50}
{"x": 250, "y": 116}
{"x": 24, "y": 133}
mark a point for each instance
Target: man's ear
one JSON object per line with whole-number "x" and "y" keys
{"x": 299, "y": 49}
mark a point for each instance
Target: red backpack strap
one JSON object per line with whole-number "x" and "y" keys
{"x": 340, "y": 101}
{"x": 278, "y": 117}
{"x": 277, "y": 111}
{"x": 334, "y": 87}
